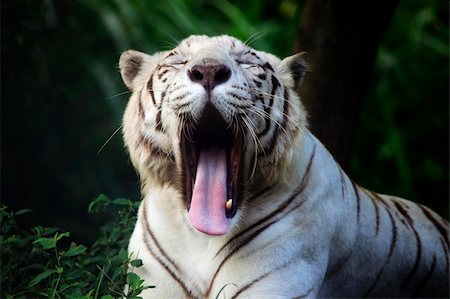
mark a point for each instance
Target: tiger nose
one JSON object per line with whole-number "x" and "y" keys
{"x": 209, "y": 75}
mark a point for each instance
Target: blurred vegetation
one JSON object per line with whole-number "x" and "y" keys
{"x": 62, "y": 97}
{"x": 44, "y": 263}
{"x": 402, "y": 146}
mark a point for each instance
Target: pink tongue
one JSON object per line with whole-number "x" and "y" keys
{"x": 207, "y": 211}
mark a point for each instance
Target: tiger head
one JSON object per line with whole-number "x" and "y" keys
{"x": 214, "y": 120}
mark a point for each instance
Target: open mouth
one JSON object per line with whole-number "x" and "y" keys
{"x": 211, "y": 157}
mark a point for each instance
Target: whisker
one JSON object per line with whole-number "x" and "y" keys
{"x": 294, "y": 121}
{"x": 256, "y": 143}
{"x": 106, "y": 142}
{"x": 117, "y": 95}
{"x": 254, "y": 37}
{"x": 169, "y": 45}
{"x": 177, "y": 42}
{"x": 264, "y": 115}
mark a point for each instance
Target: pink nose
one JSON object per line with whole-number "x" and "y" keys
{"x": 209, "y": 75}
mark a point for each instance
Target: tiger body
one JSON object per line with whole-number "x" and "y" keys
{"x": 297, "y": 226}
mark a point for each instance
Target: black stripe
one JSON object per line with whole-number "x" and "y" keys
{"x": 169, "y": 261}
{"x": 445, "y": 252}
{"x": 257, "y": 83}
{"x": 154, "y": 150}
{"x": 275, "y": 85}
{"x": 273, "y": 140}
{"x": 159, "y": 126}
{"x": 268, "y": 111}
{"x": 339, "y": 266}
{"x": 140, "y": 107}
{"x": 285, "y": 109}
{"x": 160, "y": 75}
{"x": 250, "y": 284}
{"x": 254, "y": 54}
{"x": 181, "y": 97}
{"x": 358, "y": 201}
{"x": 276, "y": 133}
{"x": 403, "y": 210}
{"x": 150, "y": 89}
{"x": 394, "y": 232}
{"x": 237, "y": 106}
{"x": 394, "y": 225}
{"x": 377, "y": 213}
{"x": 262, "y": 76}
{"x": 181, "y": 106}
{"x": 163, "y": 95}
{"x": 155, "y": 241}
{"x": 168, "y": 270}
{"x": 268, "y": 108}
{"x": 260, "y": 193}
{"x": 439, "y": 226}
{"x": 418, "y": 258}
{"x": 303, "y": 296}
{"x": 342, "y": 180}
{"x": 391, "y": 249}
{"x": 427, "y": 278}
{"x": 267, "y": 66}
{"x": 280, "y": 208}
{"x": 171, "y": 54}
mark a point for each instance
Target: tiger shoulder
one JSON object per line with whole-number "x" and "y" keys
{"x": 240, "y": 200}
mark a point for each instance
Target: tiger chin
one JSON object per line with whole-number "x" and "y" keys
{"x": 241, "y": 200}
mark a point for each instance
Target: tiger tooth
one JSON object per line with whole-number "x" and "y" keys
{"x": 229, "y": 204}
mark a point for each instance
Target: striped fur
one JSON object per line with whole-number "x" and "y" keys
{"x": 303, "y": 228}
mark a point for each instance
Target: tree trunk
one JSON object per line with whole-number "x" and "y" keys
{"x": 342, "y": 38}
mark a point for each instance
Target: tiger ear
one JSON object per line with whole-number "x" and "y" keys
{"x": 131, "y": 63}
{"x": 297, "y": 66}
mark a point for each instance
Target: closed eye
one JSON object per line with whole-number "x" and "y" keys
{"x": 178, "y": 65}
{"x": 245, "y": 65}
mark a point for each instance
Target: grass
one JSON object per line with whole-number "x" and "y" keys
{"x": 44, "y": 263}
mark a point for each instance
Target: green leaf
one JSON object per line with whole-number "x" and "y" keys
{"x": 96, "y": 204}
{"x": 59, "y": 270}
{"x": 49, "y": 231}
{"x": 41, "y": 277}
{"x": 117, "y": 272}
{"x": 121, "y": 202}
{"x": 59, "y": 236}
{"x": 132, "y": 279}
{"x": 80, "y": 249}
{"x": 23, "y": 211}
{"x": 107, "y": 297}
{"x": 136, "y": 263}
{"x": 46, "y": 243}
{"x": 123, "y": 254}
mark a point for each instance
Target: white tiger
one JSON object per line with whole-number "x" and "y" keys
{"x": 240, "y": 200}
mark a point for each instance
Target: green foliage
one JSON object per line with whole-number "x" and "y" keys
{"x": 130, "y": 22}
{"x": 44, "y": 263}
{"x": 402, "y": 144}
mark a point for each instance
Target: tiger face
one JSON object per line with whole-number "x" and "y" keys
{"x": 214, "y": 120}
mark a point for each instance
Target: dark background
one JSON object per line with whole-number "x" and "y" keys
{"x": 62, "y": 97}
